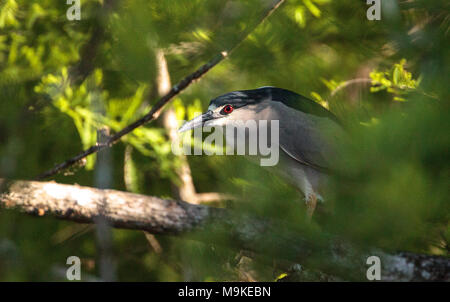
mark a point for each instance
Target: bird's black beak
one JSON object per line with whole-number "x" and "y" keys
{"x": 197, "y": 121}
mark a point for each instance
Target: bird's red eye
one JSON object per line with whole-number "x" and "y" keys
{"x": 227, "y": 109}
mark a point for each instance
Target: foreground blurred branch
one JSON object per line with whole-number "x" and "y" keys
{"x": 81, "y": 70}
{"x": 214, "y": 225}
{"x": 157, "y": 108}
{"x": 350, "y": 82}
{"x": 185, "y": 190}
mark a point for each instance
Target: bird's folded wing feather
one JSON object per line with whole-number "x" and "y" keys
{"x": 306, "y": 143}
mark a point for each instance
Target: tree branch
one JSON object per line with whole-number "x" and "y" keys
{"x": 215, "y": 225}
{"x": 157, "y": 108}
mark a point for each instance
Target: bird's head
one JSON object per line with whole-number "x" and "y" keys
{"x": 236, "y": 105}
{"x": 255, "y": 104}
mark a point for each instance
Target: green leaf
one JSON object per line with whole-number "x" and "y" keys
{"x": 312, "y": 8}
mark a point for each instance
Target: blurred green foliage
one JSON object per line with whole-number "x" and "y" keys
{"x": 395, "y": 190}
{"x": 396, "y": 81}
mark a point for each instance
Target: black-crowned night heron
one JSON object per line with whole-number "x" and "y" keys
{"x": 307, "y": 132}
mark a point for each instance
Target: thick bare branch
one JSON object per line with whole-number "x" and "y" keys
{"x": 157, "y": 108}
{"x": 214, "y": 225}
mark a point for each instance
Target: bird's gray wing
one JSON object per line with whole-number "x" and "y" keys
{"x": 305, "y": 144}
{"x": 304, "y": 129}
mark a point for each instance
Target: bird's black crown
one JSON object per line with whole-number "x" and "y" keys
{"x": 289, "y": 98}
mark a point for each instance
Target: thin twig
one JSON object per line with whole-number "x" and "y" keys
{"x": 348, "y": 83}
{"x": 157, "y": 108}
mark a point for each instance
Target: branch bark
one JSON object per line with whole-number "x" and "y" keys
{"x": 215, "y": 225}
{"x": 157, "y": 108}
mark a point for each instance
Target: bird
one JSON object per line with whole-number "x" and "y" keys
{"x": 307, "y": 133}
